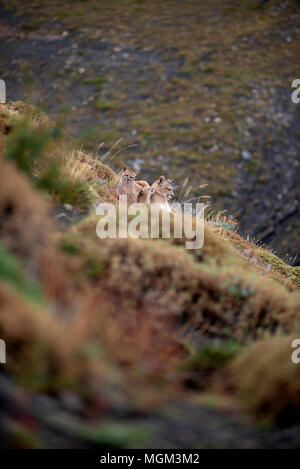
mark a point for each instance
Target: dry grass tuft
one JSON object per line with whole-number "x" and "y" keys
{"x": 39, "y": 348}
{"x": 25, "y": 225}
{"x": 36, "y": 146}
{"x": 267, "y": 381}
{"x": 12, "y": 113}
{"x": 261, "y": 260}
{"x": 27, "y": 231}
{"x": 278, "y": 265}
{"x": 219, "y": 296}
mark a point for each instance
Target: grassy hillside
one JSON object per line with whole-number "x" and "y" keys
{"x": 125, "y": 324}
{"x": 199, "y": 89}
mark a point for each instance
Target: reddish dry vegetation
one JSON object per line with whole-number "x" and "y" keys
{"x": 117, "y": 320}
{"x": 266, "y": 380}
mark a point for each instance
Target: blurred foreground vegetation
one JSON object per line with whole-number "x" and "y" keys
{"x": 128, "y": 324}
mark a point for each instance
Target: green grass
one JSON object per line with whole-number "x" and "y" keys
{"x": 212, "y": 356}
{"x": 106, "y": 434}
{"x": 290, "y": 272}
{"x": 103, "y": 105}
{"x": 99, "y": 81}
{"x": 27, "y": 144}
{"x": 27, "y": 147}
{"x": 66, "y": 191}
{"x": 12, "y": 272}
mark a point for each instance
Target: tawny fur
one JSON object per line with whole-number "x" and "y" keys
{"x": 141, "y": 189}
{"x": 145, "y": 195}
{"x": 127, "y": 185}
{"x": 163, "y": 192}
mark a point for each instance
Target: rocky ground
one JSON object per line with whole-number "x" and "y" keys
{"x": 58, "y": 422}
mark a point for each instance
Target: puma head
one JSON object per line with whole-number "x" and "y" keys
{"x": 127, "y": 175}
{"x": 163, "y": 187}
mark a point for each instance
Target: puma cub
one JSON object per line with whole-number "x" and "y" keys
{"x": 163, "y": 192}
{"x": 134, "y": 190}
{"x": 145, "y": 192}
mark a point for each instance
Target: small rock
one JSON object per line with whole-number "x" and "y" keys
{"x": 137, "y": 164}
{"x": 65, "y": 33}
{"x": 68, "y": 207}
{"x": 246, "y": 155}
{"x": 268, "y": 268}
{"x": 46, "y": 403}
{"x": 61, "y": 215}
{"x": 71, "y": 402}
{"x": 214, "y": 148}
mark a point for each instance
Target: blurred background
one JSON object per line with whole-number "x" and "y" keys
{"x": 202, "y": 88}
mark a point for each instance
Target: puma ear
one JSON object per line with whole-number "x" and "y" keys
{"x": 124, "y": 168}
{"x": 161, "y": 179}
{"x": 170, "y": 180}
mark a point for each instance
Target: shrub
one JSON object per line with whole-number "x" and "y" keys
{"x": 266, "y": 381}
